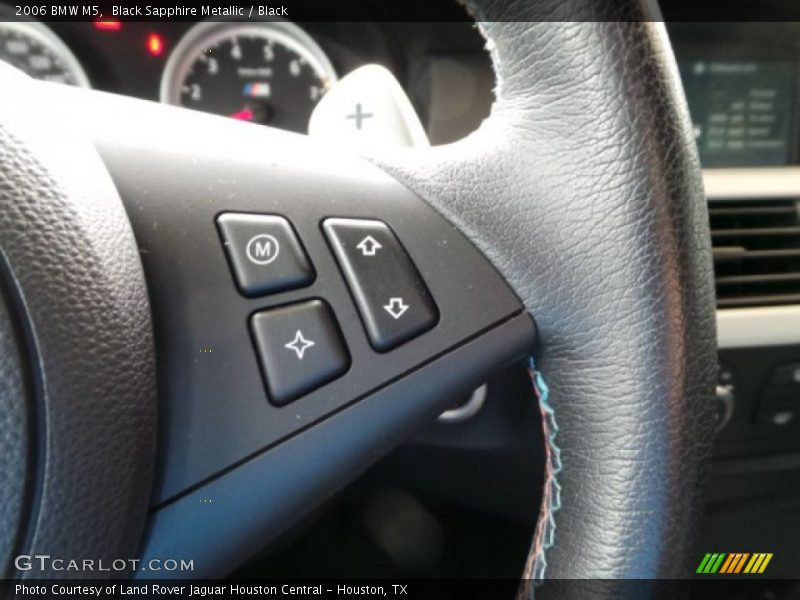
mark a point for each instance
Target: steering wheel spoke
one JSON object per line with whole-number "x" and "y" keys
{"x": 309, "y": 313}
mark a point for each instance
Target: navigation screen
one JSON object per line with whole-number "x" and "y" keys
{"x": 742, "y": 111}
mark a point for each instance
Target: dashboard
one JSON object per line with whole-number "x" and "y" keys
{"x": 743, "y": 111}
{"x": 267, "y": 72}
{"x": 741, "y": 81}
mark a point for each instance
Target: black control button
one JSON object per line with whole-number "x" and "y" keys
{"x": 394, "y": 302}
{"x": 780, "y": 418}
{"x": 300, "y": 348}
{"x": 725, "y": 375}
{"x": 788, "y": 375}
{"x": 780, "y": 407}
{"x": 264, "y": 252}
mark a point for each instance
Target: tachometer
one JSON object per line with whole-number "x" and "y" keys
{"x": 270, "y": 72}
{"x": 34, "y": 49}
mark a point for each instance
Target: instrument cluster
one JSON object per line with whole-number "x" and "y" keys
{"x": 271, "y": 72}
{"x": 268, "y": 72}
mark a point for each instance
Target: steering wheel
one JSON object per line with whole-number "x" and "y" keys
{"x": 153, "y": 404}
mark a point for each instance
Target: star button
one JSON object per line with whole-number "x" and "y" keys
{"x": 299, "y": 344}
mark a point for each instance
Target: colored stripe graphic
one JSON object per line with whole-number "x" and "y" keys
{"x": 727, "y": 564}
{"x": 740, "y": 564}
{"x": 734, "y": 563}
{"x": 703, "y": 563}
{"x": 718, "y": 562}
{"x": 711, "y": 563}
{"x": 764, "y": 564}
{"x": 755, "y": 562}
{"x": 758, "y": 563}
{"x": 730, "y": 564}
{"x": 735, "y": 557}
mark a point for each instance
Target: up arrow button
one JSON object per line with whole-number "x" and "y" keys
{"x": 369, "y": 246}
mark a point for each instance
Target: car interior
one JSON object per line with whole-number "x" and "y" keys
{"x": 343, "y": 295}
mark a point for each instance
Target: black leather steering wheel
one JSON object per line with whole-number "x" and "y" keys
{"x": 578, "y": 202}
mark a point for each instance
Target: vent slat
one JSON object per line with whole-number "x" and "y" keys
{"x": 758, "y": 300}
{"x": 756, "y": 245}
{"x": 738, "y": 252}
{"x": 771, "y": 278}
{"x": 750, "y": 210}
{"x": 757, "y": 231}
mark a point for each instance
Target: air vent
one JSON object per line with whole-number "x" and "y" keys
{"x": 756, "y": 251}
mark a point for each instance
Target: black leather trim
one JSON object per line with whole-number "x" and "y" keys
{"x": 583, "y": 188}
{"x": 75, "y": 265}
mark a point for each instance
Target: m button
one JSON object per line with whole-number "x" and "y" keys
{"x": 264, "y": 252}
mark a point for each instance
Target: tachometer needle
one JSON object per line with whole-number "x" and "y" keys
{"x": 245, "y": 114}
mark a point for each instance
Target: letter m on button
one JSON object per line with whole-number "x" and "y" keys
{"x": 262, "y": 249}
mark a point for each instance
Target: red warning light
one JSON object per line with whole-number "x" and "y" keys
{"x": 108, "y": 24}
{"x": 155, "y": 45}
